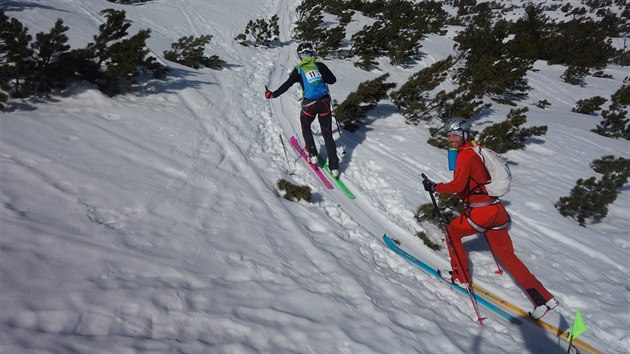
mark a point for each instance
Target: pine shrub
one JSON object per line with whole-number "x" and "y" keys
{"x": 189, "y": 51}
{"x": 543, "y": 104}
{"x": 310, "y": 26}
{"x": 508, "y": 135}
{"x": 262, "y": 31}
{"x": 449, "y": 205}
{"x": 575, "y": 75}
{"x": 427, "y": 241}
{"x": 294, "y": 192}
{"x": 615, "y": 123}
{"x": 590, "y": 105}
{"x": 589, "y": 198}
{"x": 355, "y": 107}
{"x": 397, "y": 31}
{"x": 413, "y": 96}
{"x": 123, "y": 59}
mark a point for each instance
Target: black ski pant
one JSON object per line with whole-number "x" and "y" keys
{"x": 320, "y": 109}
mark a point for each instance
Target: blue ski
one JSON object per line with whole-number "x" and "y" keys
{"x": 432, "y": 271}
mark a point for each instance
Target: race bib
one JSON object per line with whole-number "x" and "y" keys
{"x": 313, "y": 76}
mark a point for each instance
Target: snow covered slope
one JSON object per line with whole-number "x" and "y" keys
{"x": 151, "y": 222}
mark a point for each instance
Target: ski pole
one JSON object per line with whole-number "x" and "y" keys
{"x": 458, "y": 261}
{"x": 273, "y": 114}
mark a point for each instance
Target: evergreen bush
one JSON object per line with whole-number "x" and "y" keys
{"x": 310, "y": 26}
{"x": 123, "y": 59}
{"x": 413, "y": 96}
{"x": 397, "y": 32}
{"x": 355, "y": 107}
{"x": 508, "y": 135}
{"x": 263, "y": 33}
{"x": 575, "y": 75}
{"x": 615, "y": 124}
{"x": 427, "y": 241}
{"x": 450, "y": 206}
{"x": 543, "y": 104}
{"x": 589, "y": 199}
{"x": 590, "y": 105}
{"x": 189, "y": 51}
{"x": 294, "y": 192}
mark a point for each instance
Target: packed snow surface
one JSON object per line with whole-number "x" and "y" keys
{"x": 151, "y": 221}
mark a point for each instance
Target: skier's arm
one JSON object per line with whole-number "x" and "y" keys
{"x": 460, "y": 179}
{"x": 327, "y": 75}
{"x": 293, "y": 78}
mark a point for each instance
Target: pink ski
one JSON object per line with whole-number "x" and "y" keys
{"x": 317, "y": 170}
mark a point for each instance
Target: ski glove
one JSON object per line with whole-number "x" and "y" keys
{"x": 269, "y": 94}
{"x": 429, "y": 185}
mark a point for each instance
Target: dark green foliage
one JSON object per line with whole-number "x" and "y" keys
{"x": 124, "y": 62}
{"x": 427, "y": 241}
{"x": 294, "y": 192}
{"x": 113, "y": 60}
{"x": 263, "y": 32}
{"x": 113, "y": 30}
{"x": 508, "y": 135}
{"x": 358, "y": 103}
{"x": 457, "y": 103}
{"x": 575, "y": 75}
{"x": 397, "y": 33}
{"x": 589, "y": 105}
{"x": 581, "y": 42}
{"x": 543, "y": 104}
{"x": 617, "y": 168}
{"x": 413, "y": 96}
{"x": 492, "y": 67}
{"x": 189, "y": 51}
{"x": 15, "y": 58}
{"x": 622, "y": 96}
{"x": 615, "y": 123}
{"x": 310, "y": 26}
{"x": 123, "y": 58}
{"x": 600, "y": 74}
{"x": 450, "y": 206}
{"x": 589, "y": 198}
{"x": 531, "y": 32}
{"x": 49, "y": 72}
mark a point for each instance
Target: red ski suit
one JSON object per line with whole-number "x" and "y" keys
{"x": 486, "y": 212}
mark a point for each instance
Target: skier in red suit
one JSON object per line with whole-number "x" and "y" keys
{"x": 484, "y": 214}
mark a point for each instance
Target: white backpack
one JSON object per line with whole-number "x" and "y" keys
{"x": 500, "y": 175}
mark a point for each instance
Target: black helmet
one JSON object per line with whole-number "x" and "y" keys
{"x": 305, "y": 50}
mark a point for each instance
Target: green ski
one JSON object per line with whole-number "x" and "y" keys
{"x": 339, "y": 182}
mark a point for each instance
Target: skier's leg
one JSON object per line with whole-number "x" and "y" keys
{"x": 458, "y": 229}
{"x": 306, "y": 119}
{"x": 325, "y": 122}
{"x": 501, "y": 244}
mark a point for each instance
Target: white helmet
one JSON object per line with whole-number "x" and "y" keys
{"x": 458, "y": 124}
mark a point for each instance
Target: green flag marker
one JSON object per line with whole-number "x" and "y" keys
{"x": 578, "y": 326}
